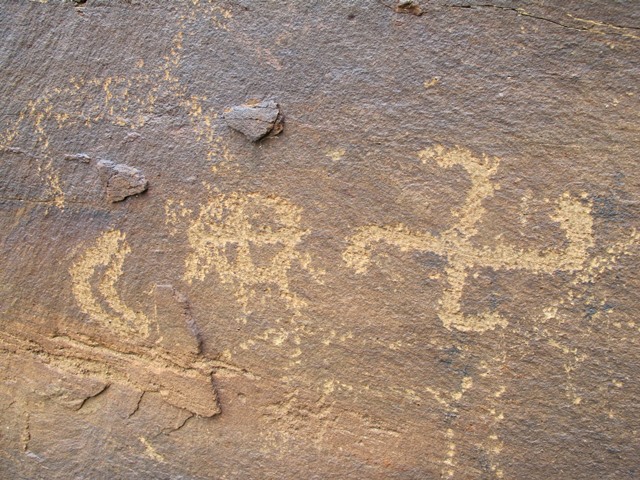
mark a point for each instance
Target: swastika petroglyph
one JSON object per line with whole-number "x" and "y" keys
{"x": 105, "y": 259}
{"x": 250, "y": 240}
{"x": 572, "y": 214}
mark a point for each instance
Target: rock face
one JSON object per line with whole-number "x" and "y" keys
{"x": 432, "y": 273}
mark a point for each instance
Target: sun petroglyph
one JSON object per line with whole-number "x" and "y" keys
{"x": 572, "y": 214}
{"x": 232, "y": 230}
{"x": 98, "y": 297}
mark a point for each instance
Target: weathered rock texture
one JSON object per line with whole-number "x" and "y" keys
{"x": 432, "y": 272}
{"x": 255, "y": 121}
{"x": 121, "y": 181}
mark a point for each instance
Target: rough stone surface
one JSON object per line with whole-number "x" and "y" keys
{"x": 431, "y": 273}
{"x": 121, "y": 181}
{"x": 255, "y": 121}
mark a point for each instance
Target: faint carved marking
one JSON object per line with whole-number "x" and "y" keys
{"x": 336, "y": 154}
{"x": 449, "y": 401}
{"x": 573, "y": 216}
{"x": 603, "y": 263}
{"x": 211, "y": 9}
{"x": 171, "y": 366}
{"x": 122, "y": 100}
{"x": 226, "y": 231}
{"x": 102, "y": 302}
{"x": 431, "y": 82}
{"x": 573, "y": 359}
{"x": 150, "y": 451}
{"x": 493, "y": 444}
{"x": 175, "y": 212}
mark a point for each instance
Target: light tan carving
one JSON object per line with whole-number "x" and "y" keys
{"x": 573, "y": 215}
{"x": 230, "y": 227}
{"x": 122, "y": 100}
{"x": 102, "y": 302}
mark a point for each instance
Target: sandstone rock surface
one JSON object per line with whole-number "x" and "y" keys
{"x": 255, "y": 121}
{"x": 431, "y": 273}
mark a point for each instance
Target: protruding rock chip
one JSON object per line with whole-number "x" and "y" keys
{"x": 409, "y": 6}
{"x": 78, "y": 157}
{"x": 121, "y": 181}
{"x": 179, "y": 333}
{"x": 255, "y": 120}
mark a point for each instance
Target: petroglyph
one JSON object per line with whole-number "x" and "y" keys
{"x": 168, "y": 363}
{"x": 102, "y": 303}
{"x": 127, "y": 101}
{"x": 448, "y": 400}
{"x": 230, "y": 227}
{"x": 150, "y": 451}
{"x": 572, "y": 214}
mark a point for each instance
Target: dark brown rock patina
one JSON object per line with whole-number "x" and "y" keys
{"x": 430, "y": 273}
